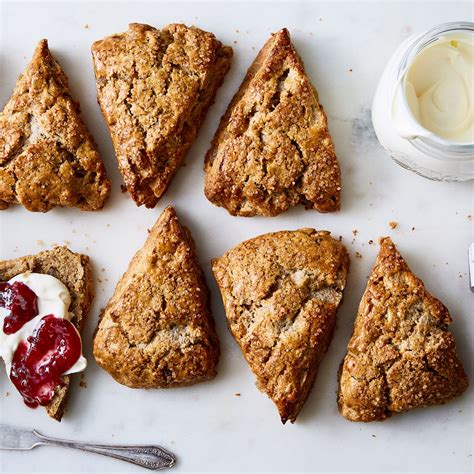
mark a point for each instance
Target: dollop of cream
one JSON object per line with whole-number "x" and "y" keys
{"x": 53, "y": 298}
{"x": 439, "y": 87}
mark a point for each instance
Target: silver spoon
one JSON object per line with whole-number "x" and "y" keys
{"x": 150, "y": 457}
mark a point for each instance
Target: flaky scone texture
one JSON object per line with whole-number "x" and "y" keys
{"x": 47, "y": 156}
{"x": 154, "y": 88}
{"x": 74, "y": 271}
{"x": 281, "y": 292}
{"x": 273, "y": 149}
{"x": 401, "y": 354}
{"x": 157, "y": 330}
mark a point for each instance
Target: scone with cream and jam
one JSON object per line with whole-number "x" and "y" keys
{"x": 44, "y": 300}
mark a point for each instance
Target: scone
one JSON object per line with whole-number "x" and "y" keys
{"x": 401, "y": 354}
{"x": 273, "y": 149}
{"x": 157, "y": 330}
{"x": 47, "y": 156}
{"x": 154, "y": 88}
{"x": 74, "y": 271}
{"x": 281, "y": 292}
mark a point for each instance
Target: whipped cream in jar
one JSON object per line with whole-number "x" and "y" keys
{"x": 423, "y": 109}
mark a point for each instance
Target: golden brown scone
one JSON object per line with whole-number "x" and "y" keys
{"x": 273, "y": 149}
{"x": 281, "y": 292}
{"x": 47, "y": 156}
{"x": 74, "y": 271}
{"x": 157, "y": 330}
{"x": 154, "y": 88}
{"x": 401, "y": 354}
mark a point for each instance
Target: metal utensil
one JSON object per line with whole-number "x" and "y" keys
{"x": 150, "y": 457}
{"x": 471, "y": 266}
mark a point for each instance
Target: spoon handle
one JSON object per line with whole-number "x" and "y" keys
{"x": 151, "y": 457}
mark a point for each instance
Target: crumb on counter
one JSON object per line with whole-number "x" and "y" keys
{"x": 237, "y": 394}
{"x": 412, "y": 228}
{"x": 83, "y": 383}
{"x": 355, "y": 232}
{"x": 393, "y": 224}
{"x": 371, "y": 242}
{"x": 86, "y": 26}
{"x": 123, "y": 188}
{"x": 40, "y": 242}
{"x": 358, "y": 255}
{"x": 469, "y": 217}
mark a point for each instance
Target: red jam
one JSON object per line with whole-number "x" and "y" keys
{"x": 39, "y": 363}
{"x": 22, "y": 303}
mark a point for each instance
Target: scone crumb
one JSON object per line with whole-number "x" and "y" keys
{"x": 123, "y": 188}
{"x": 393, "y": 224}
{"x": 86, "y": 26}
{"x": 40, "y": 242}
{"x": 7, "y": 394}
{"x": 469, "y": 217}
{"x": 237, "y": 394}
{"x": 371, "y": 242}
{"x": 358, "y": 255}
{"x": 355, "y": 232}
{"x": 83, "y": 383}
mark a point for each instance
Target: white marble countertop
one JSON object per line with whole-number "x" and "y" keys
{"x": 345, "y": 47}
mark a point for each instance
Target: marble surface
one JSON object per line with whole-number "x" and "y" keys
{"x": 345, "y": 47}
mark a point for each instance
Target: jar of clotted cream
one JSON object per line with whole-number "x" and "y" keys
{"x": 423, "y": 109}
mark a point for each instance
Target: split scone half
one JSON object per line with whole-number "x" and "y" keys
{"x": 157, "y": 330}
{"x": 281, "y": 292}
{"x": 47, "y": 156}
{"x": 154, "y": 88}
{"x": 74, "y": 271}
{"x": 273, "y": 149}
{"x": 401, "y": 354}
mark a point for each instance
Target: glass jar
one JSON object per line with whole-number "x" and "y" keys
{"x": 409, "y": 144}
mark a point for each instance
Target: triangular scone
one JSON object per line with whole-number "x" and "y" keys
{"x": 281, "y": 292}
{"x": 154, "y": 88}
{"x": 273, "y": 149}
{"x": 157, "y": 330}
{"x": 401, "y": 354}
{"x": 47, "y": 156}
{"x": 75, "y": 272}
